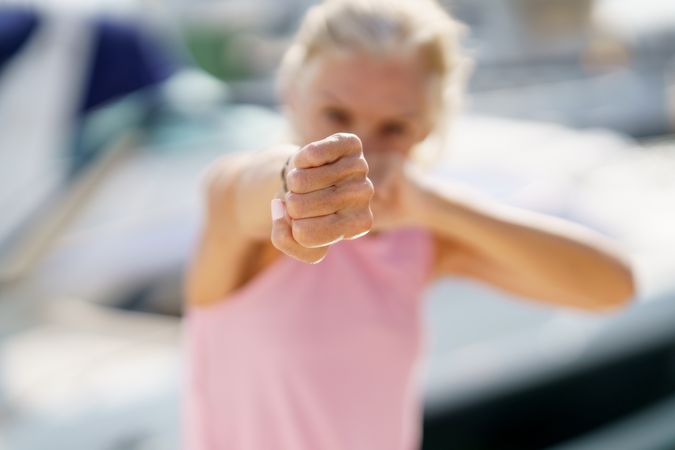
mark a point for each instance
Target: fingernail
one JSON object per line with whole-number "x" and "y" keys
{"x": 277, "y": 209}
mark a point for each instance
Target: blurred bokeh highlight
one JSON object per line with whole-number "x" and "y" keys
{"x": 111, "y": 110}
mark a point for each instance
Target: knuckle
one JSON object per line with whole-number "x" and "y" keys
{"x": 360, "y": 190}
{"x": 296, "y": 180}
{"x": 348, "y": 139}
{"x": 358, "y": 223}
{"x": 311, "y": 153}
{"x": 279, "y": 238}
{"x": 353, "y": 168}
{"x": 291, "y": 179}
{"x": 302, "y": 234}
{"x": 295, "y": 204}
{"x": 368, "y": 188}
{"x": 362, "y": 166}
{"x": 364, "y": 220}
{"x": 314, "y": 151}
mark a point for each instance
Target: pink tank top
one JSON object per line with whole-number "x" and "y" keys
{"x": 313, "y": 357}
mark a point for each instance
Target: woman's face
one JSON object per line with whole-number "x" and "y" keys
{"x": 384, "y": 101}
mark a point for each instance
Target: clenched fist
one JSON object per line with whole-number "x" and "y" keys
{"x": 328, "y": 198}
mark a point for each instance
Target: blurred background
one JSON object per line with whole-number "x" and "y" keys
{"x": 111, "y": 110}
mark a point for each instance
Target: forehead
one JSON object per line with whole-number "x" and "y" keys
{"x": 379, "y": 85}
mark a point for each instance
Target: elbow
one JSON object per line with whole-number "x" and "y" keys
{"x": 615, "y": 293}
{"x": 624, "y": 290}
{"x": 613, "y": 302}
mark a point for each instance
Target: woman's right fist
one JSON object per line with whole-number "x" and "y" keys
{"x": 328, "y": 198}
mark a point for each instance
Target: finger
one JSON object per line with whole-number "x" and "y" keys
{"x": 327, "y": 150}
{"x": 360, "y": 224}
{"x": 329, "y": 200}
{"x": 302, "y": 181}
{"x": 326, "y": 230}
{"x": 282, "y": 237}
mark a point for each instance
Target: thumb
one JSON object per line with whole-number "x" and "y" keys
{"x": 283, "y": 240}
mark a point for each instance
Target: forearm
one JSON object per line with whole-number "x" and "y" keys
{"x": 254, "y": 183}
{"x": 571, "y": 264}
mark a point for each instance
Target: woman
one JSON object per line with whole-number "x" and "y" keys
{"x": 302, "y": 336}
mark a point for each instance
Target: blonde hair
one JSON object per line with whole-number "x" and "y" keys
{"x": 384, "y": 28}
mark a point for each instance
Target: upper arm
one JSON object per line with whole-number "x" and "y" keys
{"x": 236, "y": 225}
{"x": 215, "y": 268}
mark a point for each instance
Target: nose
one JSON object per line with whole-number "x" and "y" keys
{"x": 371, "y": 143}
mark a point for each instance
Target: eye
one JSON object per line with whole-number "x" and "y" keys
{"x": 393, "y": 129}
{"x": 337, "y": 116}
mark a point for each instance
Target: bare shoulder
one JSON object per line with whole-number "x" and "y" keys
{"x": 216, "y": 265}
{"x": 220, "y": 179}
